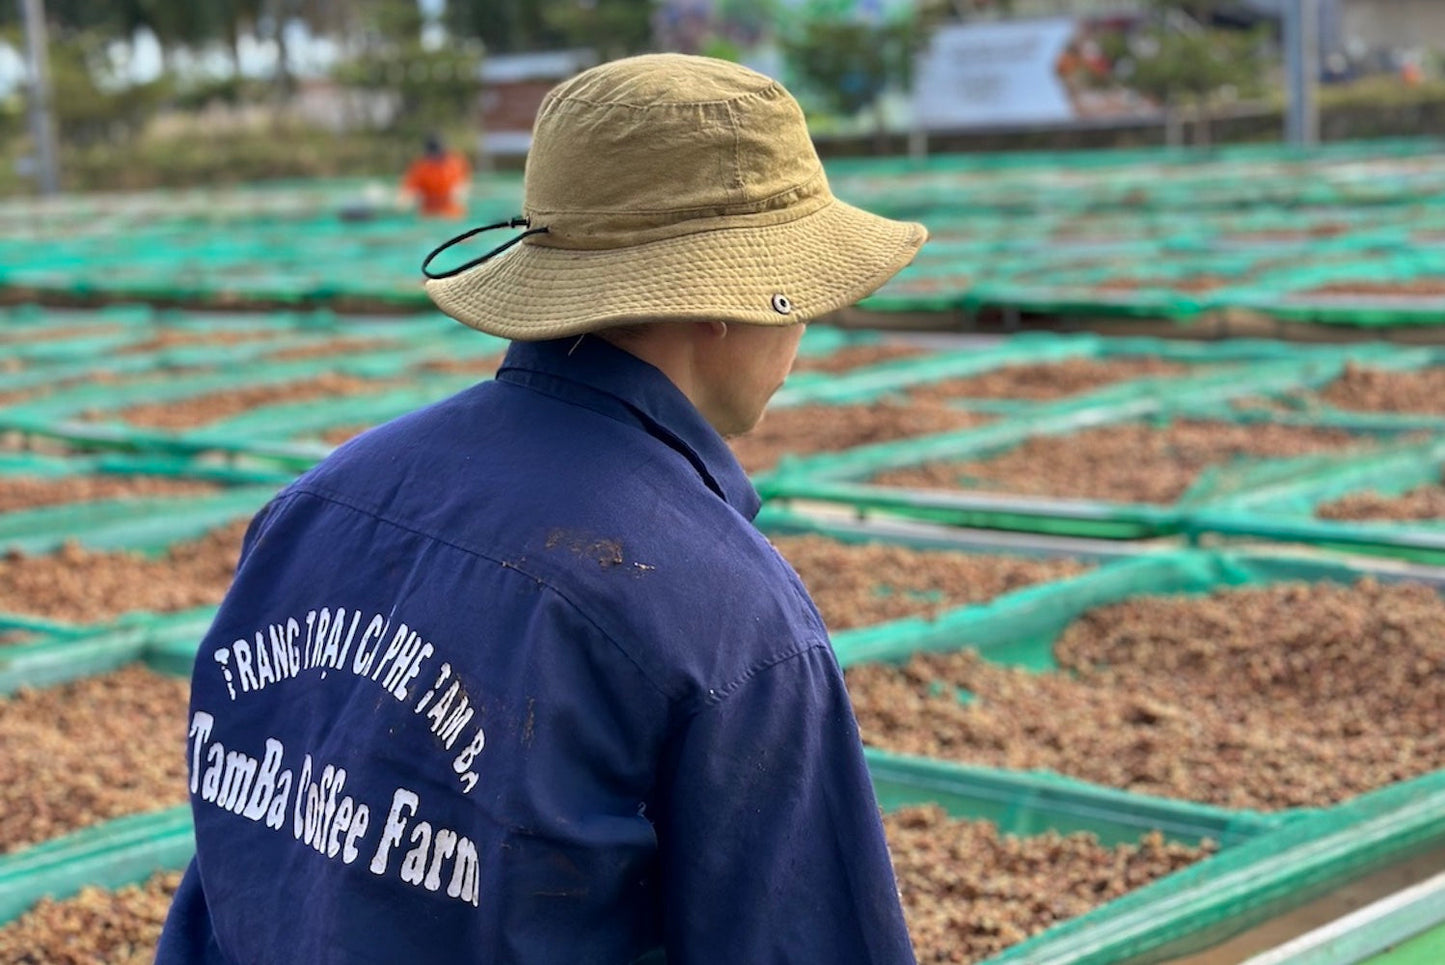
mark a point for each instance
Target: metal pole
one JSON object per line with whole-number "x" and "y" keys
{"x": 42, "y": 122}
{"x": 1302, "y": 50}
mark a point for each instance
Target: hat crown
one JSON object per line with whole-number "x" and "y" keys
{"x": 661, "y": 145}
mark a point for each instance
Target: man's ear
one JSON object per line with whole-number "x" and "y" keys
{"x": 719, "y": 329}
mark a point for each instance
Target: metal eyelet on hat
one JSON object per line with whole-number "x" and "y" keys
{"x": 781, "y": 305}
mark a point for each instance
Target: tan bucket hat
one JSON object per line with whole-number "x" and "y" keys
{"x": 669, "y": 187}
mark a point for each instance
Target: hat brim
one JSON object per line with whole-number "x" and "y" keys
{"x": 818, "y": 263}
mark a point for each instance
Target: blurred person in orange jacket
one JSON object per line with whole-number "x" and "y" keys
{"x": 436, "y": 183}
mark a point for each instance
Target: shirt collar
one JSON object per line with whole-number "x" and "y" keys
{"x": 592, "y": 372}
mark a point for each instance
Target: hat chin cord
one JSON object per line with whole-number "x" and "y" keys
{"x": 518, "y": 222}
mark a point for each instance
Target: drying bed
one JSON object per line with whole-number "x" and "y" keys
{"x": 969, "y": 892}
{"x": 33, "y": 480}
{"x": 1049, "y": 381}
{"x": 78, "y": 585}
{"x": 1252, "y": 864}
{"x": 1346, "y": 234}
{"x": 281, "y": 252}
{"x": 207, "y": 409}
{"x": 1029, "y": 375}
{"x": 1333, "y": 826}
{"x": 1241, "y": 868}
{"x": 1391, "y": 505}
{"x": 183, "y": 557}
{"x": 283, "y": 390}
{"x": 1424, "y": 502}
{"x": 138, "y": 398}
{"x": 72, "y": 568}
{"x": 1290, "y": 237}
{"x": 1283, "y": 696}
{"x": 790, "y": 432}
{"x": 1109, "y": 856}
{"x": 1404, "y": 389}
{"x": 1138, "y": 462}
{"x": 102, "y": 672}
{"x": 147, "y": 524}
{"x": 118, "y": 927}
{"x": 30, "y": 492}
{"x": 957, "y": 910}
{"x": 864, "y": 583}
{"x": 849, "y": 357}
{"x": 919, "y": 581}
{"x": 1122, "y": 467}
{"x": 65, "y": 769}
{"x": 1163, "y": 674}
{"x": 110, "y": 562}
{"x": 1016, "y": 374}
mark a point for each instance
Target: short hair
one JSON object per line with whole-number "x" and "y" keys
{"x": 622, "y": 334}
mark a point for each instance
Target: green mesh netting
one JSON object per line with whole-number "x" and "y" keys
{"x": 1344, "y": 234}
{"x": 844, "y": 477}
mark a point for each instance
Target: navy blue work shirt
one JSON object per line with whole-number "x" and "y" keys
{"x": 514, "y": 678}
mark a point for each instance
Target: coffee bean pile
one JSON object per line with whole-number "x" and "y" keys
{"x": 970, "y": 892}
{"x": 61, "y": 383}
{"x": 1045, "y": 381}
{"x": 202, "y": 410}
{"x": 1275, "y": 405}
{"x": 84, "y": 585}
{"x": 857, "y": 357}
{"x": 335, "y": 346}
{"x": 16, "y": 396}
{"x": 90, "y": 750}
{"x": 1421, "y": 503}
{"x": 808, "y": 429}
{"x": 1281, "y": 696}
{"x": 1197, "y": 283}
{"x": 484, "y": 366}
{"x": 119, "y": 927}
{"x": 30, "y": 492}
{"x": 1363, "y": 388}
{"x": 860, "y": 584}
{"x": 1415, "y": 286}
{"x": 1130, "y": 462}
{"x": 182, "y": 338}
{"x": 35, "y": 334}
{"x": 339, "y": 434}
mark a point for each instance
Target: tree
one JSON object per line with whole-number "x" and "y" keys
{"x": 181, "y": 23}
{"x": 65, "y": 17}
{"x": 848, "y": 64}
{"x": 87, "y": 112}
{"x": 1180, "y": 62}
{"x": 851, "y": 64}
{"x": 235, "y": 18}
{"x": 433, "y": 90}
{"x": 505, "y": 26}
{"x": 613, "y": 28}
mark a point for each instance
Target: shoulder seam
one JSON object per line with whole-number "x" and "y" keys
{"x": 718, "y": 697}
{"x": 505, "y": 564}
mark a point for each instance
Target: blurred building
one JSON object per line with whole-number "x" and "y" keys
{"x": 513, "y": 86}
{"x": 1367, "y": 36}
{"x": 1391, "y": 24}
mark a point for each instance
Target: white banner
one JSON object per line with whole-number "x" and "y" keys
{"x": 993, "y": 74}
